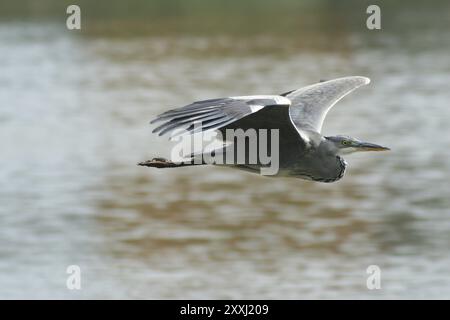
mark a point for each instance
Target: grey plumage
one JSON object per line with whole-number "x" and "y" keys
{"x": 312, "y": 103}
{"x": 213, "y": 113}
{"x": 297, "y": 114}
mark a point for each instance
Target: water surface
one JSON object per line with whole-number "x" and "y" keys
{"x": 74, "y": 111}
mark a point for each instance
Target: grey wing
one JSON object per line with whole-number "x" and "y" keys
{"x": 311, "y": 104}
{"x": 213, "y": 114}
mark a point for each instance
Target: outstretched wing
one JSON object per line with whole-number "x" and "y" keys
{"x": 310, "y": 104}
{"x": 215, "y": 113}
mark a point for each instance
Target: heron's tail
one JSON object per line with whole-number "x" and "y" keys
{"x": 164, "y": 163}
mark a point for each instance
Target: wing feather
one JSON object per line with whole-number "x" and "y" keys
{"x": 213, "y": 114}
{"x": 311, "y": 104}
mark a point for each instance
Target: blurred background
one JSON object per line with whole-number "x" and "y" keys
{"x": 74, "y": 112}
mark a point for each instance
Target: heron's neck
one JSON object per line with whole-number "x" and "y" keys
{"x": 328, "y": 148}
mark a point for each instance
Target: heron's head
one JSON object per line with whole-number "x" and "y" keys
{"x": 342, "y": 145}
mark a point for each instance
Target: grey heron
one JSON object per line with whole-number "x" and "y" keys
{"x": 298, "y": 115}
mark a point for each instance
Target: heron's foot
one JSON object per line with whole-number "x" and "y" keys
{"x": 158, "y": 163}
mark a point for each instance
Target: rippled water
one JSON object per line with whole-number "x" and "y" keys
{"x": 74, "y": 113}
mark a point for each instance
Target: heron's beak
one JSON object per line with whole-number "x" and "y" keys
{"x": 366, "y": 146}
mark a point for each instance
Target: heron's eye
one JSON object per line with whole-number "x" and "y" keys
{"x": 345, "y": 142}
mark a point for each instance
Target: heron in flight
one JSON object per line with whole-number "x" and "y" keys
{"x": 298, "y": 115}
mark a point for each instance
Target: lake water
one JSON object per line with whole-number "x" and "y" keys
{"x": 74, "y": 112}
